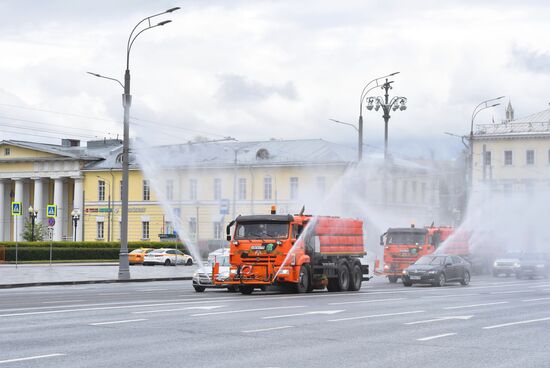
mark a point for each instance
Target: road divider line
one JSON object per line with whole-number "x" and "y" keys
{"x": 246, "y": 310}
{"x": 511, "y": 292}
{"x": 368, "y": 301}
{"x": 268, "y": 329}
{"x": 376, "y": 316}
{"x": 180, "y": 309}
{"x": 117, "y": 322}
{"x": 30, "y": 358}
{"x": 436, "y": 336}
{"x": 535, "y": 300}
{"x": 306, "y": 314}
{"x": 462, "y": 318}
{"x": 447, "y": 295}
{"x": 475, "y": 305}
{"x": 111, "y": 294}
{"x": 64, "y": 301}
{"x": 517, "y": 323}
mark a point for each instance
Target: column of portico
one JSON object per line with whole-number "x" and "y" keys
{"x": 78, "y": 204}
{"x": 18, "y": 222}
{"x": 58, "y": 200}
{"x": 38, "y": 204}
{"x": 4, "y": 215}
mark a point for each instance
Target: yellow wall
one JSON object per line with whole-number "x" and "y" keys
{"x": 18, "y": 153}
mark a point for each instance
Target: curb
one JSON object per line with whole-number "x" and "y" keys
{"x": 53, "y": 283}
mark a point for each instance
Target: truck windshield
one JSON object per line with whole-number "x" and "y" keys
{"x": 405, "y": 238}
{"x": 256, "y": 230}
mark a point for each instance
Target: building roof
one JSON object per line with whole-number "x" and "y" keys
{"x": 92, "y": 152}
{"x": 535, "y": 124}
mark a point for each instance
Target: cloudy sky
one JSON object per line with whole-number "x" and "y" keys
{"x": 257, "y": 70}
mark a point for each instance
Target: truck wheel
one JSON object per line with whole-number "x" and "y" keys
{"x": 333, "y": 285}
{"x": 199, "y": 289}
{"x": 356, "y": 278}
{"x": 343, "y": 277}
{"x": 392, "y": 279}
{"x": 246, "y": 289}
{"x": 303, "y": 280}
{"x": 407, "y": 283}
{"x": 232, "y": 288}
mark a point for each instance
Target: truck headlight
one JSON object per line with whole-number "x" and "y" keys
{"x": 233, "y": 271}
{"x": 405, "y": 272}
{"x": 284, "y": 272}
{"x": 517, "y": 264}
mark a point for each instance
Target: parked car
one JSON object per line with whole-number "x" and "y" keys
{"x": 507, "y": 264}
{"x": 533, "y": 265}
{"x": 202, "y": 279}
{"x": 137, "y": 255}
{"x": 437, "y": 270}
{"x": 167, "y": 257}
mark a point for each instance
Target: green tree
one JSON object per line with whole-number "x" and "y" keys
{"x": 38, "y": 231}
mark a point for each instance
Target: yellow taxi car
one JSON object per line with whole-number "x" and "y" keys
{"x": 137, "y": 255}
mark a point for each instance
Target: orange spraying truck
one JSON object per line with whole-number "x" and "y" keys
{"x": 303, "y": 252}
{"x": 404, "y": 246}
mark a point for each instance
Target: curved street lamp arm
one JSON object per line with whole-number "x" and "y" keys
{"x": 341, "y": 122}
{"x": 104, "y": 77}
{"x": 475, "y": 112}
{"x": 132, "y": 42}
{"x": 480, "y": 110}
{"x": 364, "y": 94}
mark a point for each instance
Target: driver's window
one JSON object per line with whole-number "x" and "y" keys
{"x": 449, "y": 260}
{"x": 296, "y": 231}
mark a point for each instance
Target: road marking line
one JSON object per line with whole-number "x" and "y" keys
{"x": 305, "y": 314}
{"x": 447, "y": 295}
{"x": 436, "y": 337}
{"x": 375, "y": 316}
{"x": 30, "y": 358}
{"x": 109, "y": 294}
{"x": 463, "y": 318}
{"x": 150, "y": 290}
{"x": 179, "y": 309}
{"x": 246, "y": 310}
{"x": 511, "y": 292}
{"x": 475, "y": 305}
{"x": 64, "y": 301}
{"x": 116, "y": 322}
{"x": 517, "y": 323}
{"x": 535, "y": 300}
{"x": 368, "y": 301}
{"x": 267, "y": 329}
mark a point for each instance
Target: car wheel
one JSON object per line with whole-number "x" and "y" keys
{"x": 189, "y": 262}
{"x": 356, "y": 278}
{"x": 440, "y": 281}
{"x": 167, "y": 263}
{"x": 407, "y": 283}
{"x": 465, "y": 279}
{"x": 303, "y": 280}
{"x": 392, "y": 279}
{"x": 246, "y": 289}
{"x": 199, "y": 289}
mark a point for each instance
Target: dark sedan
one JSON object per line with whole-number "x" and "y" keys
{"x": 437, "y": 270}
{"x": 533, "y": 265}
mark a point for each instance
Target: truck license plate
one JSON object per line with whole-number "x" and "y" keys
{"x": 415, "y": 277}
{"x": 257, "y": 247}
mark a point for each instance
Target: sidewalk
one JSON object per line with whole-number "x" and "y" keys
{"x": 85, "y": 273}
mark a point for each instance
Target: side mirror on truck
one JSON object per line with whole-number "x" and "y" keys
{"x": 382, "y": 239}
{"x": 228, "y": 230}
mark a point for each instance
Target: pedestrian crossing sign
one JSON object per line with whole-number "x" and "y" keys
{"x": 16, "y": 208}
{"x": 51, "y": 210}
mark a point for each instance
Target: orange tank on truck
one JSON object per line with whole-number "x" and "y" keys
{"x": 404, "y": 246}
{"x": 303, "y": 252}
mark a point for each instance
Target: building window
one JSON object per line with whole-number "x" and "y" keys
{"x": 145, "y": 230}
{"x": 321, "y": 184}
{"x": 217, "y": 230}
{"x": 101, "y": 190}
{"x": 508, "y": 158}
{"x": 242, "y": 189}
{"x": 530, "y": 157}
{"x": 267, "y": 188}
{"x": 168, "y": 227}
{"x": 413, "y": 189}
{"x": 193, "y": 226}
{"x": 404, "y": 192}
{"x": 193, "y": 189}
{"x": 146, "y": 190}
{"x": 423, "y": 192}
{"x": 217, "y": 189}
{"x": 169, "y": 189}
{"x": 487, "y": 158}
{"x": 100, "y": 230}
{"x": 293, "y": 188}
{"x": 7, "y": 151}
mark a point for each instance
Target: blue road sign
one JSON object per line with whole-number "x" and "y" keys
{"x": 16, "y": 208}
{"x": 51, "y": 222}
{"x": 51, "y": 210}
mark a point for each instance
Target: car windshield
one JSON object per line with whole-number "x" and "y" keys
{"x": 256, "y": 230}
{"x": 431, "y": 260}
{"x": 405, "y": 237}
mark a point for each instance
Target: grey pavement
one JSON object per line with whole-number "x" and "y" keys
{"x": 493, "y": 322}
{"x": 33, "y": 274}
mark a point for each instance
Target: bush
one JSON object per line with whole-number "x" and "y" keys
{"x": 58, "y": 254}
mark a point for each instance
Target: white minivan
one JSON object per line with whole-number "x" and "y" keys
{"x": 202, "y": 279}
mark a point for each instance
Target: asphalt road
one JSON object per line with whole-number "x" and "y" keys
{"x": 490, "y": 323}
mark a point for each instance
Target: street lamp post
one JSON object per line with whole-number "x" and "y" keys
{"x": 124, "y": 266}
{"x": 32, "y": 214}
{"x": 480, "y": 107}
{"x": 76, "y": 216}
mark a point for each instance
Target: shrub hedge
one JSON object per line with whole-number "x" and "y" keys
{"x": 91, "y": 244}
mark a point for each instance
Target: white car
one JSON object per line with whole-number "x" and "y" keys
{"x": 202, "y": 279}
{"x": 167, "y": 257}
